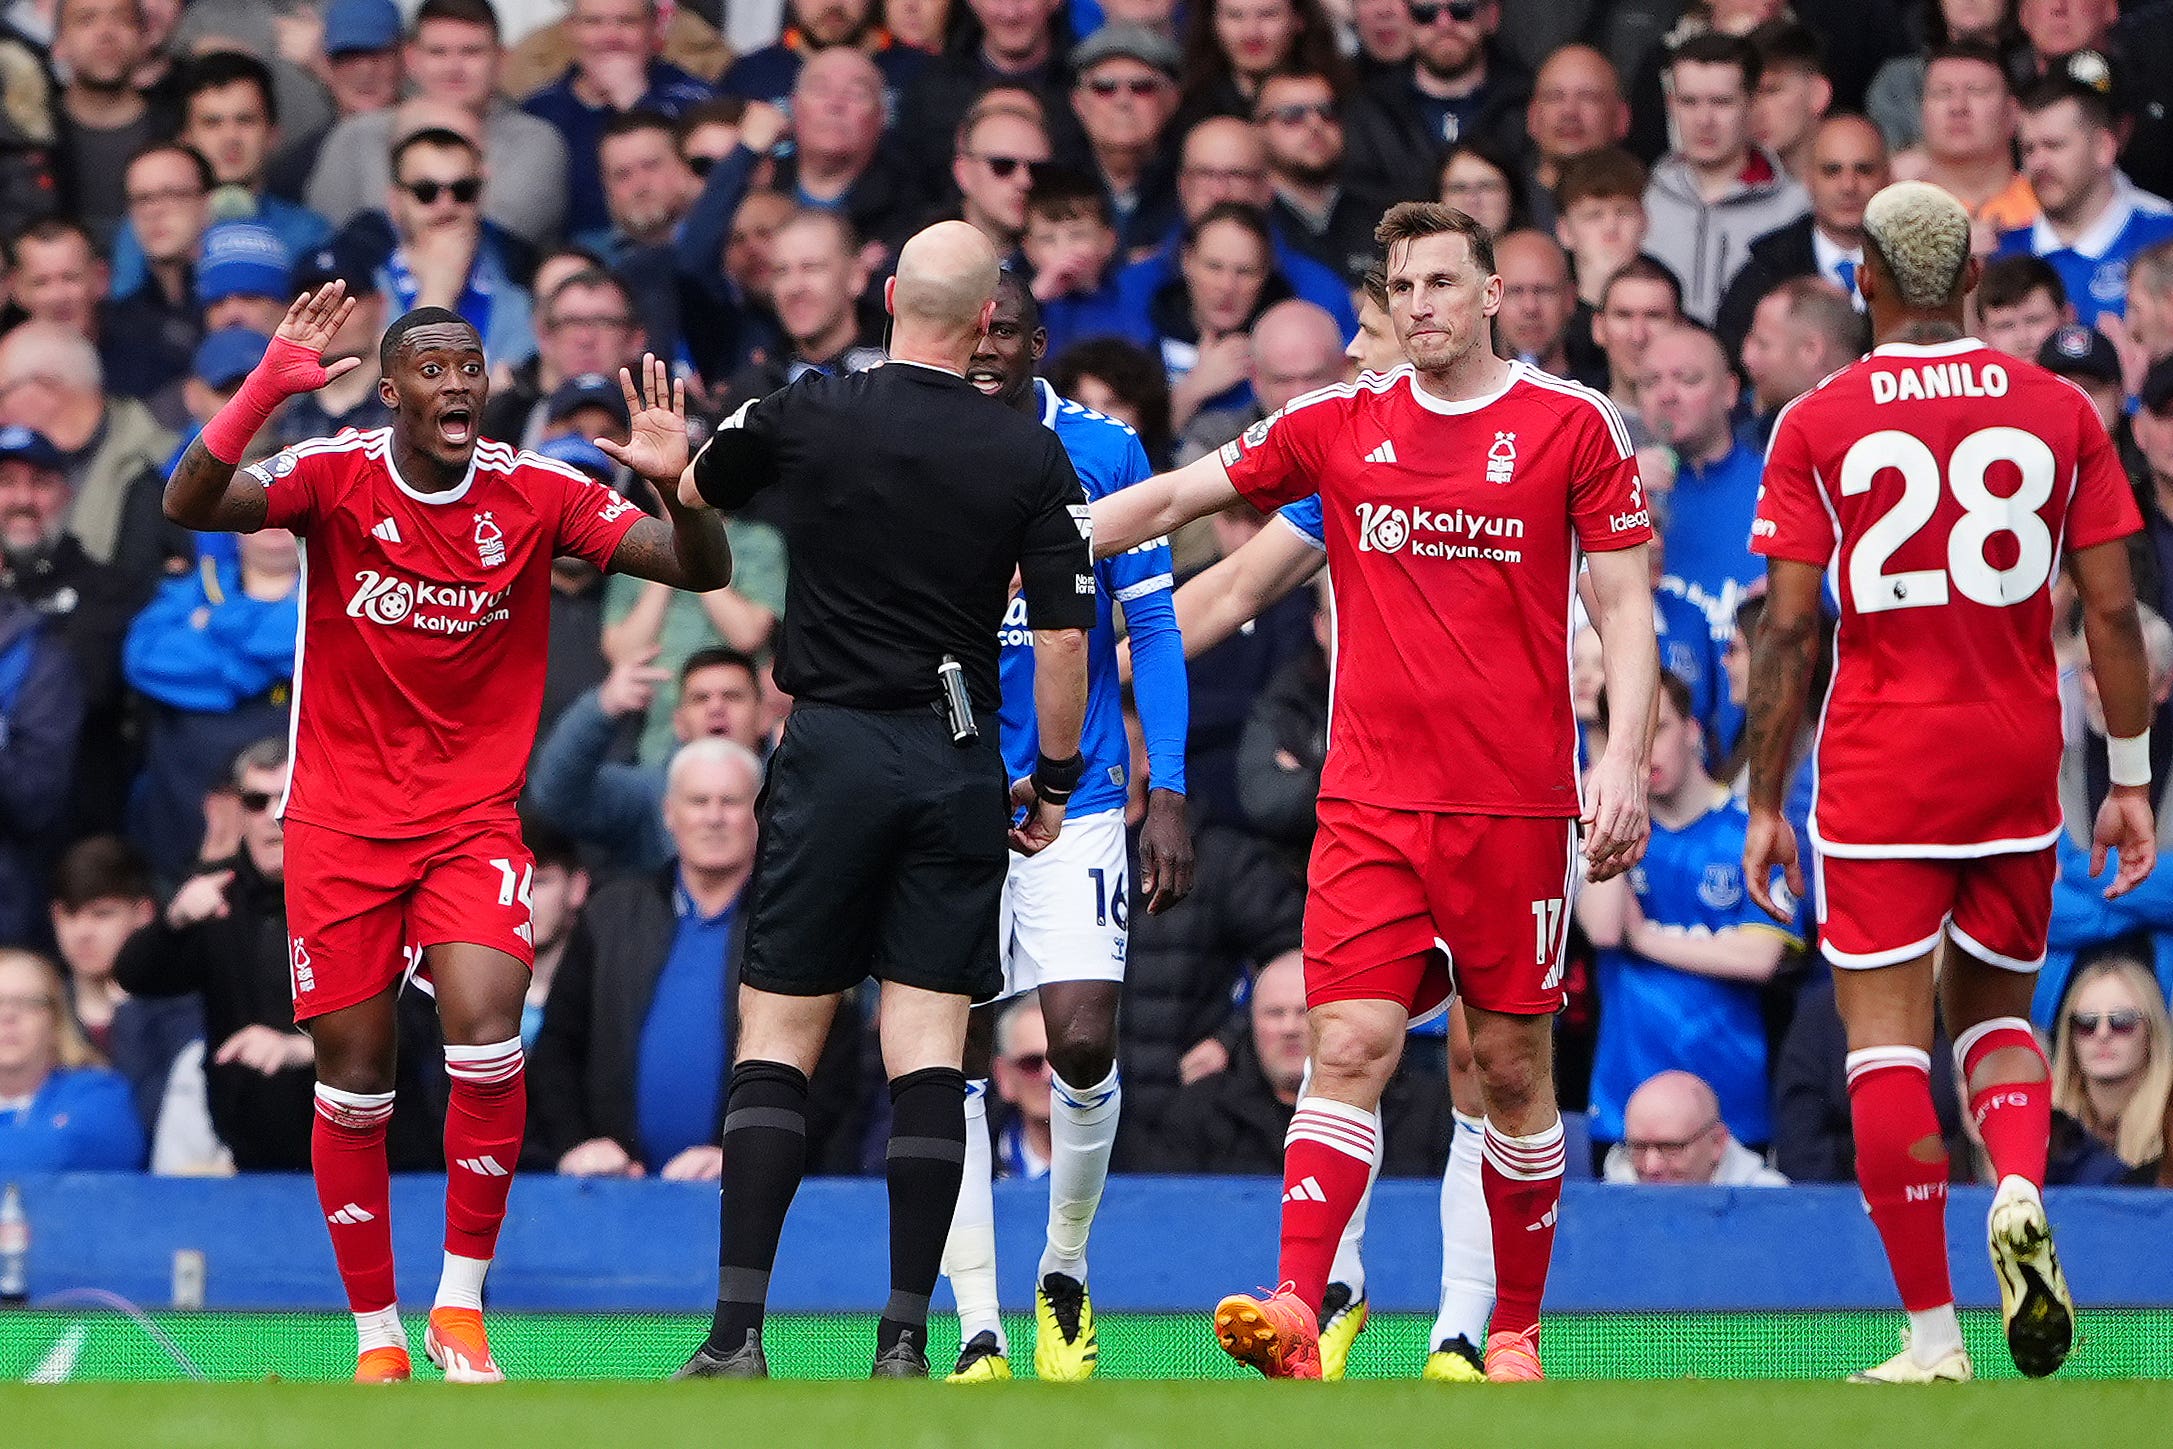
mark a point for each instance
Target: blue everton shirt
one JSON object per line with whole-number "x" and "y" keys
{"x": 1655, "y": 1018}
{"x": 1107, "y": 456}
{"x": 1690, "y": 649}
{"x": 2095, "y": 268}
{"x": 1710, "y": 513}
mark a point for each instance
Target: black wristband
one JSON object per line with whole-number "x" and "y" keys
{"x": 1054, "y": 780}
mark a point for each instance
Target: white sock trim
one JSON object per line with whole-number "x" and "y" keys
{"x": 1933, "y": 1334}
{"x": 1528, "y": 1159}
{"x": 1084, "y": 1102}
{"x": 1872, "y": 1059}
{"x": 1339, "y": 1125}
{"x": 460, "y": 1283}
{"x": 482, "y": 1065}
{"x": 1968, "y": 1040}
{"x": 356, "y": 1110}
{"x": 379, "y": 1329}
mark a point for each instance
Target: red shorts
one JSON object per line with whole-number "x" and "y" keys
{"x": 360, "y": 912}
{"x": 1414, "y": 906}
{"x": 1883, "y": 912}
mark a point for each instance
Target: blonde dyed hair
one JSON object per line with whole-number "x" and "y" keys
{"x": 71, "y": 1049}
{"x": 2140, "y": 1137}
{"x": 1922, "y": 235}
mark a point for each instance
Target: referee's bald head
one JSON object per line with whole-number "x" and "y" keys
{"x": 945, "y": 284}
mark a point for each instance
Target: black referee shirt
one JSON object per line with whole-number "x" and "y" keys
{"x": 909, "y": 498}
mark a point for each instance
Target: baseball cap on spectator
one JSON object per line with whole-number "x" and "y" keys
{"x": 589, "y": 390}
{"x": 242, "y": 259}
{"x": 336, "y": 261}
{"x": 578, "y": 452}
{"x": 28, "y": 445}
{"x": 226, "y": 356}
{"x": 354, "y": 25}
{"x": 2079, "y": 351}
{"x": 1135, "y": 42}
{"x": 2157, "y": 392}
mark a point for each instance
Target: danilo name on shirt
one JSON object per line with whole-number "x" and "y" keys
{"x": 1939, "y": 379}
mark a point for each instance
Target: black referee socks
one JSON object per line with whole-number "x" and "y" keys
{"x": 765, "y": 1147}
{"x": 925, "y": 1160}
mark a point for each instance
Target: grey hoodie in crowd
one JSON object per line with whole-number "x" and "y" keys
{"x": 1705, "y": 243}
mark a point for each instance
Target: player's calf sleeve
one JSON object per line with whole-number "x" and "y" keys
{"x": 485, "y": 1114}
{"x": 1467, "y": 1242}
{"x": 1521, "y": 1178}
{"x": 969, "y": 1255}
{"x": 1082, "y": 1134}
{"x": 765, "y": 1151}
{"x": 922, "y": 1165}
{"x": 1349, "y": 1267}
{"x": 1327, "y": 1162}
{"x": 354, "y": 1188}
{"x": 1901, "y": 1167}
{"x": 2013, "y": 1118}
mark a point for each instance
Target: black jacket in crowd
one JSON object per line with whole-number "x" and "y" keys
{"x": 1774, "y": 258}
{"x": 88, "y": 605}
{"x": 1233, "y": 1123}
{"x": 582, "y": 1072}
{"x": 239, "y": 963}
{"x": 1246, "y": 908}
{"x": 1389, "y": 151}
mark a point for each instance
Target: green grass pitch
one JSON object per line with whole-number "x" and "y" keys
{"x": 1107, "y": 1415}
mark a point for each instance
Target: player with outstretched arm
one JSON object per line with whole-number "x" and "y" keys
{"x": 1936, "y": 483}
{"x": 418, "y": 681}
{"x": 1456, "y": 493}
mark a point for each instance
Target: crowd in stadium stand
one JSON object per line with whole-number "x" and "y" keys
{"x": 1677, "y": 192}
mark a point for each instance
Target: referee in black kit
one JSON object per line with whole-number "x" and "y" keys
{"x": 909, "y": 499}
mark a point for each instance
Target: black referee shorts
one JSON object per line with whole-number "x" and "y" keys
{"x": 882, "y": 853}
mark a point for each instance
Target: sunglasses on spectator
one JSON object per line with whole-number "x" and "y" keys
{"x": 1003, "y": 168}
{"x": 1463, "y": 12}
{"x": 464, "y": 191}
{"x": 701, "y": 165}
{"x": 256, "y": 802}
{"x": 2119, "y": 1023}
{"x": 1139, "y": 85}
{"x": 1031, "y": 1063}
{"x": 1297, "y": 113}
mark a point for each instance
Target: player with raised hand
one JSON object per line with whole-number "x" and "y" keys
{"x": 1939, "y": 481}
{"x": 1456, "y": 494}
{"x": 419, "y": 678}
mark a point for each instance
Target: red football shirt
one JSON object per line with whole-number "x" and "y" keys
{"x": 1937, "y": 486}
{"x": 1453, "y": 532}
{"x": 425, "y": 626}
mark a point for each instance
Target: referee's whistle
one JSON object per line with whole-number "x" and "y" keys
{"x": 957, "y": 707}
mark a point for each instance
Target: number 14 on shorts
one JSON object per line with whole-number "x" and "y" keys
{"x": 516, "y": 885}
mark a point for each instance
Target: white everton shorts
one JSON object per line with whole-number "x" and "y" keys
{"x": 1065, "y": 910}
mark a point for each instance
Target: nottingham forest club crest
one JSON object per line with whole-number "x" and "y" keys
{"x": 490, "y": 542}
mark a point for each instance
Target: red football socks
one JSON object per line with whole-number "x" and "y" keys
{"x": 2013, "y": 1118}
{"x": 1522, "y": 1178}
{"x": 484, "y": 1120}
{"x": 1901, "y": 1166}
{"x": 347, "y": 1159}
{"x": 1327, "y": 1162}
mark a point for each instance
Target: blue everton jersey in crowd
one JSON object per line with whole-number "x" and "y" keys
{"x": 1107, "y": 456}
{"x": 1659, "y": 1019}
{"x": 1691, "y": 649}
{"x": 2094, "y": 268}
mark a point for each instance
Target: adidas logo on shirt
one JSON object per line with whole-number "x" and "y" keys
{"x": 1306, "y": 1191}
{"x": 484, "y": 1166}
{"x": 351, "y": 1215}
{"x": 387, "y": 530}
{"x": 1386, "y": 453}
